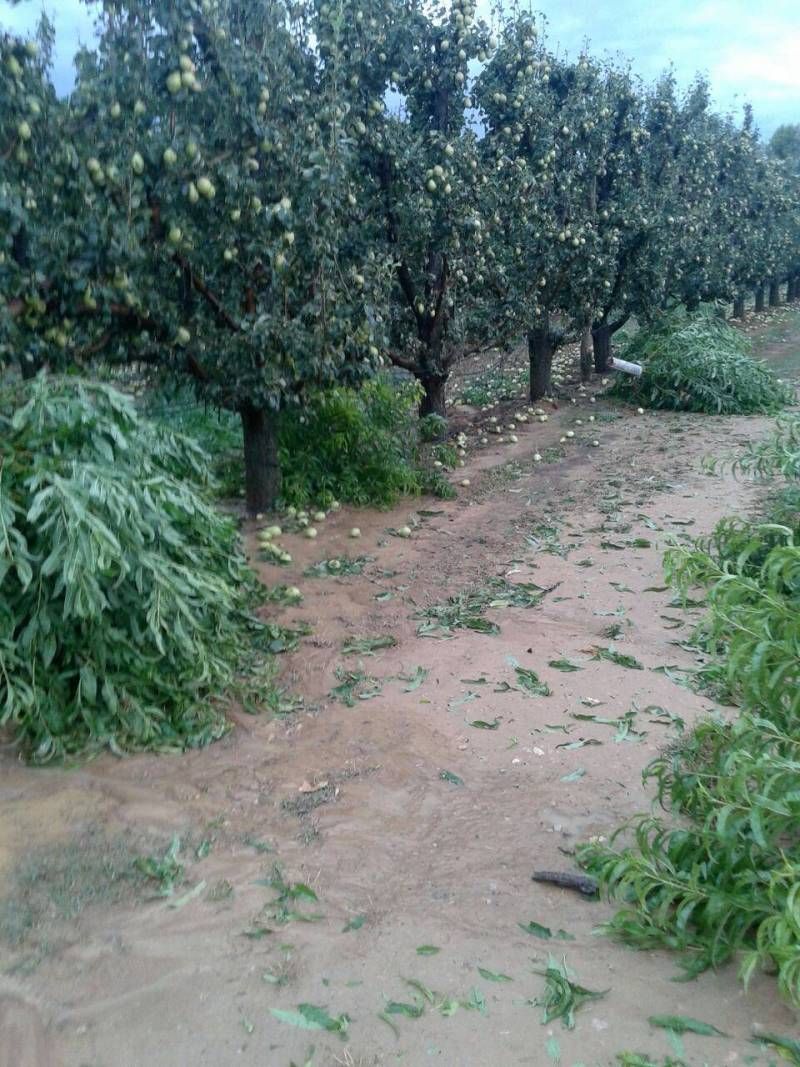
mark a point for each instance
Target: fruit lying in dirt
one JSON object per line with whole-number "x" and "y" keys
{"x": 355, "y": 532}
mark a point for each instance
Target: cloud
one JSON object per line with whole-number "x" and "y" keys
{"x": 750, "y": 53}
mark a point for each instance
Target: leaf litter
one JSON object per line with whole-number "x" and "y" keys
{"x": 544, "y": 932}
{"x": 367, "y": 646}
{"x": 562, "y": 996}
{"x": 466, "y": 610}
{"x": 313, "y": 1017}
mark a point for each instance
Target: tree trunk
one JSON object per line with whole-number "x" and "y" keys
{"x": 601, "y": 343}
{"x": 433, "y": 399}
{"x": 28, "y": 367}
{"x": 760, "y": 298}
{"x": 793, "y": 289}
{"x": 586, "y": 354}
{"x": 540, "y": 358}
{"x": 738, "y": 306}
{"x": 262, "y": 472}
{"x": 774, "y": 294}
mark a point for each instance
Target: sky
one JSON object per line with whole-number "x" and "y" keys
{"x": 750, "y": 53}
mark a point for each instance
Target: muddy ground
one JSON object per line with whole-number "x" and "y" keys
{"x": 412, "y": 826}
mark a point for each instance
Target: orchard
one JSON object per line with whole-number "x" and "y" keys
{"x": 379, "y": 340}
{"x": 269, "y": 200}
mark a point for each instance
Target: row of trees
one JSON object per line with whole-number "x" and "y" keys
{"x": 271, "y": 196}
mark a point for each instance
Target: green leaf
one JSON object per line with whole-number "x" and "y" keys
{"x": 553, "y": 1049}
{"x": 563, "y": 665}
{"x": 476, "y": 1001}
{"x": 448, "y": 776}
{"x": 788, "y": 1045}
{"x": 427, "y": 950}
{"x": 414, "y": 680}
{"x": 493, "y": 976}
{"x": 530, "y": 682}
{"x": 448, "y": 1007}
{"x": 411, "y": 1011}
{"x": 312, "y": 1017}
{"x": 575, "y": 775}
{"x": 367, "y": 646}
{"x": 354, "y": 924}
{"x": 88, "y": 684}
{"x": 427, "y": 994}
{"x": 622, "y": 659}
{"x": 545, "y": 932}
{"x": 683, "y": 1024}
{"x": 562, "y": 996}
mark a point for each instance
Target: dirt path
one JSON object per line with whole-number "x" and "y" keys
{"x": 352, "y": 800}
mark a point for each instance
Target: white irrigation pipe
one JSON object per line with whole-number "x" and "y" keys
{"x": 627, "y": 368}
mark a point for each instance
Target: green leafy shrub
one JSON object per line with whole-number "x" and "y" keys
{"x": 698, "y": 362}
{"x": 124, "y": 599}
{"x": 360, "y": 446}
{"x": 726, "y": 880}
{"x": 779, "y": 454}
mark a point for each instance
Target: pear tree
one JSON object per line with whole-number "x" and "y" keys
{"x": 216, "y": 236}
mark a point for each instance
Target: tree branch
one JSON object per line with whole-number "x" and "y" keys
{"x": 403, "y": 273}
{"x": 211, "y": 298}
{"x": 404, "y": 362}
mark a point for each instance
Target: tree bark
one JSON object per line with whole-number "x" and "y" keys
{"x": 760, "y": 298}
{"x": 774, "y": 294}
{"x": 262, "y": 473}
{"x": 738, "y": 306}
{"x": 793, "y": 289}
{"x": 540, "y": 358}
{"x": 586, "y": 354}
{"x": 601, "y": 343}
{"x": 433, "y": 399}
